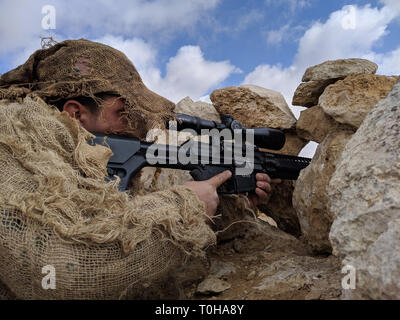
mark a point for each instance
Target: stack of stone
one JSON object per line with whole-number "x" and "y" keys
{"x": 338, "y": 96}
{"x": 256, "y": 107}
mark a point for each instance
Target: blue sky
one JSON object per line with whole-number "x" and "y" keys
{"x": 191, "y": 47}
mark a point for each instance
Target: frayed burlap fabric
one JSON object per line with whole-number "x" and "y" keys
{"x": 75, "y": 68}
{"x": 56, "y": 209}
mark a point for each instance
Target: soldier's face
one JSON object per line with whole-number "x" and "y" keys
{"x": 108, "y": 119}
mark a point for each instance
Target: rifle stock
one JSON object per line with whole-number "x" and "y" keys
{"x": 130, "y": 155}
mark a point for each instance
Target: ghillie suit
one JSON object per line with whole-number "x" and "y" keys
{"x": 55, "y": 207}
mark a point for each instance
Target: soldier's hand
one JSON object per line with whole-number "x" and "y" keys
{"x": 263, "y": 188}
{"x": 207, "y": 190}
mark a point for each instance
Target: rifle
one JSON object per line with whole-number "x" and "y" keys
{"x": 242, "y": 155}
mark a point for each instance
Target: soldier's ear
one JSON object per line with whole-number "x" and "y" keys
{"x": 78, "y": 111}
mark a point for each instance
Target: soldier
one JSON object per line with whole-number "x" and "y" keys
{"x": 55, "y": 207}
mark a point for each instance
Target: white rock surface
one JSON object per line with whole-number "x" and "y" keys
{"x": 341, "y": 68}
{"x": 364, "y": 196}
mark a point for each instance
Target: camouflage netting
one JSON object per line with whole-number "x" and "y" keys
{"x": 75, "y": 68}
{"x": 56, "y": 209}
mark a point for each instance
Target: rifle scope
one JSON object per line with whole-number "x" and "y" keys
{"x": 263, "y": 137}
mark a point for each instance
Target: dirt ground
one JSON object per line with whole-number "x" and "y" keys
{"x": 267, "y": 263}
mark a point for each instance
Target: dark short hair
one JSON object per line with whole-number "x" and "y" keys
{"x": 89, "y": 102}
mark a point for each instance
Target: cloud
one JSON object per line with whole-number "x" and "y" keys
{"x": 133, "y": 17}
{"x": 20, "y": 20}
{"x": 350, "y": 32}
{"x": 390, "y": 63}
{"x": 188, "y": 73}
{"x": 278, "y": 36}
{"x": 393, "y": 5}
{"x": 247, "y": 19}
{"x": 19, "y": 26}
{"x": 293, "y": 5}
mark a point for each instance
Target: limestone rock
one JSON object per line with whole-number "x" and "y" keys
{"x": 314, "y": 124}
{"x": 310, "y": 196}
{"x": 254, "y": 106}
{"x": 378, "y": 271}
{"x": 334, "y": 69}
{"x": 212, "y": 285}
{"x": 308, "y": 93}
{"x": 197, "y": 109}
{"x": 364, "y": 195}
{"x": 348, "y": 101}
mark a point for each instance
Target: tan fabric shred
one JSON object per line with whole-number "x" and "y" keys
{"x": 81, "y": 67}
{"x": 56, "y": 209}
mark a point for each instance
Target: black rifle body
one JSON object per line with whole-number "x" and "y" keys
{"x": 130, "y": 155}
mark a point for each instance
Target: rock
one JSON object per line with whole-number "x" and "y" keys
{"x": 290, "y": 274}
{"x": 279, "y": 207}
{"x": 265, "y": 218}
{"x": 334, "y": 69}
{"x": 254, "y": 106}
{"x": 364, "y": 196}
{"x": 348, "y": 101}
{"x": 310, "y": 197}
{"x": 378, "y": 271}
{"x": 197, "y": 109}
{"x": 308, "y": 93}
{"x": 275, "y": 265}
{"x": 212, "y": 285}
{"x": 220, "y": 268}
{"x": 314, "y": 124}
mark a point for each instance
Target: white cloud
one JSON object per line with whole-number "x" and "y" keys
{"x": 247, "y": 19}
{"x": 20, "y": 20}
{"x": 393, "y": 5}
{"x": 293, "y": 5}
{"x": 133, "y": 17}
{"x": 20, "y": 23}
{"x": 187, "y": 74}
{"x": 277, "y": 36}
{"x": 350, "y": 32}
{"x": 389, "y": 64}
{"x": 329, "y": 41}
{"x": 337, "y": 38}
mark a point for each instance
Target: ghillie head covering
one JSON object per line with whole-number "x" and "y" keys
{"x": 74, "y": 68}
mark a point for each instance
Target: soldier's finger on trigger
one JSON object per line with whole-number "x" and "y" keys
{"x": 220, "y": 178}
